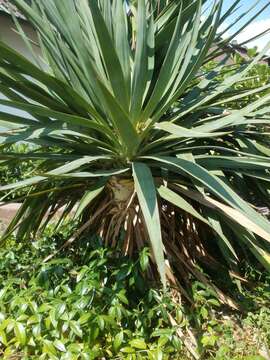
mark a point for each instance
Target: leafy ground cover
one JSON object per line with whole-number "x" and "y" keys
{"x": 98, "y": 306}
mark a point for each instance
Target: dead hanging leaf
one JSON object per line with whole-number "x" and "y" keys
{"x": 240, "y": 218}
{"x": 232, "y": 213}
{"x": 189, "y": 341}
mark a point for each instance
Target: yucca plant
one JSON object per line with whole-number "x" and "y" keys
{"x": 127, "y": 125}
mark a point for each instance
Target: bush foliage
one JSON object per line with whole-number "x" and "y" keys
{"x": 99, "y": 306}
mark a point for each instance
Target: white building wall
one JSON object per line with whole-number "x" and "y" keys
{"x": 9, "y": 35}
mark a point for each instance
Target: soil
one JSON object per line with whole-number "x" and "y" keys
{"x": 7, "y": 212}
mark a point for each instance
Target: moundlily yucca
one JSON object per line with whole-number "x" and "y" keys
{"x": 128, "y": 124}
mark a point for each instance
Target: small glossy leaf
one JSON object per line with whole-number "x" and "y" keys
{"x": 118, "y": 340}
{"x": 20, "y": 333}
{"x": 59, "y": 345}
{"x": 138, "y": 344}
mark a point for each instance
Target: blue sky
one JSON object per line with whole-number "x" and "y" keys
{"x": 245, "y": 4}
{"x": 261, "y": 23}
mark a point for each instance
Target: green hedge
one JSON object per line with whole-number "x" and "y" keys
{"x": 87, "y": 303}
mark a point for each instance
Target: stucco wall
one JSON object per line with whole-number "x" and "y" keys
{"x": 8, "y": 35}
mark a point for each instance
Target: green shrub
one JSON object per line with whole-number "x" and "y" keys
{"x": 64, "y": 310}
{"x": 99, "y": 305}
{"x": 258, "y": 77}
